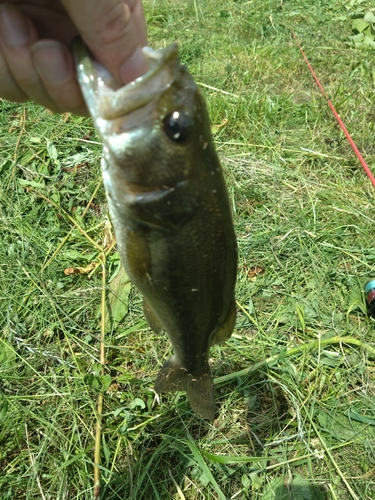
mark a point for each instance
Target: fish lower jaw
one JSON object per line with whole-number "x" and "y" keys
{"x": 108, "y": 101}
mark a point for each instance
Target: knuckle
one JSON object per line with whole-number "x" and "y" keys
{"x": 116, "y": 24}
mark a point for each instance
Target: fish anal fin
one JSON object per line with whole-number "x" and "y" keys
{"x": 224, "y": 333}
{"x": 172, "y": 377}
{"x": 199, "y": 389}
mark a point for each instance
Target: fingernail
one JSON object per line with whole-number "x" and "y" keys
{"x": 51, "y": 60}
{"x": 134, "y": 67}
{"x": 14, "y": 28}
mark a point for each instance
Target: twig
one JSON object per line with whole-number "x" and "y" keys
{"x": 98, "y": 433}
{"x": 217, "y": 90}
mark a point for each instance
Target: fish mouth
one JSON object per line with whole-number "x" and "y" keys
{"x": 108, "y": 99}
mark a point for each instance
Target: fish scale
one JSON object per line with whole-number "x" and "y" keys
{"x": 170, "y": 211}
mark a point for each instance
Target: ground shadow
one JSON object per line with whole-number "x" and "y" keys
{"x": 304, "y": 491}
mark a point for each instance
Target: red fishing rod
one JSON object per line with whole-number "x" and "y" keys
{"x": 337, "y": 116}
{"x": 370, "y": 285}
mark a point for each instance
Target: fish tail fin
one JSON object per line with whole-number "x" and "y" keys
{"x": 199, "y": 390}
{"x": 200, "y": 393}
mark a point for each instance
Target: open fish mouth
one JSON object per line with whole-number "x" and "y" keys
{"x": 108, "y": 99}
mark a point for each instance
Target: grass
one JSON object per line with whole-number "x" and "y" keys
{"x": 295, "y": 383}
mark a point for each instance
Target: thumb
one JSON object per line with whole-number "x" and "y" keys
{"x": 114, "y": 31}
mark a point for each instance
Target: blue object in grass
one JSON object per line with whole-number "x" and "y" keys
{"x": 370, "y": 297}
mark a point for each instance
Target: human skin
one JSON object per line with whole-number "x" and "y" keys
{"x": 36, "y": 61}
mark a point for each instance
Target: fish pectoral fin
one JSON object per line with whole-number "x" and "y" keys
{"x": 224, "y": 333}
{"x": 153, "y": 321}
{"x": 137, "y": 252}
{"x": 168, "y": 207}
{"x": 199, "y": 390}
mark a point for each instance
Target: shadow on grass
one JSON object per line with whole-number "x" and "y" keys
{"x": 172, "y": 458}
{"x": 301, "y": 492}
{"x": 163, "y": 465}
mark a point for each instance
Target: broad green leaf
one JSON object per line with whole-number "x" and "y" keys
{"x": 251, "y": 306}
{"x": 352, "y": 415}
{"x": 301, "y": 316}
{"x": 359, "y": 25}
{"x": 36, "y": 185}
{"x": 228, "y": 459}
{"x": 137, "y": 402}
{"x": 117, "y": 411}
{"x": 369, "y": 33}
{"x": 369, "y": 17}
{"x": 7, "y": 355}
{"x": 73, "y": 254}
{"x": 35, "y": 139}
{"x": 339, "y": 427}
{"x": 369, "y": 41}
{"x": 117, "y": 300}
{"x": 105, "y": 381}
{"x": 271, "y": 491}
{"x": 356, "y": 303}
{"x": 52, "y": 151}
{"x": 100, "y": 383}
{"x": 358, "y": 38}
{"x": 246, "y": 482}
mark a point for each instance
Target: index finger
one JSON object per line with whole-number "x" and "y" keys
{"x": 114, "y": 30}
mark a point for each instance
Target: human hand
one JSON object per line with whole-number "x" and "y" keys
{"x": 36, "y": 61}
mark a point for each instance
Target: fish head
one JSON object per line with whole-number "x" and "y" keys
{"x": 155, "y": 131}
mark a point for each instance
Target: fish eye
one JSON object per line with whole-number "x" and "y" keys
{"x": 177, "y": 125}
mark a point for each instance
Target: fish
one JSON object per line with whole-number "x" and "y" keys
{"x": 170, "y": 210}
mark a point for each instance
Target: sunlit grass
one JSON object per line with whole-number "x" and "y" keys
{"x": 299, "y": 426}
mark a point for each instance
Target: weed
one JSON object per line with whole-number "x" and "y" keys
{"x": 294, "y": 384}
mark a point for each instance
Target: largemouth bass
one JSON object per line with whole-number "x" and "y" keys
{"x": 170, "y": 211}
